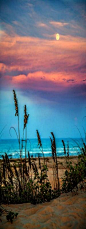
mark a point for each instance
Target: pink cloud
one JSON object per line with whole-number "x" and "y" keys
{"x": 3, "y": 67}
{"x": 40, "y": 24}
{"x": 44, "y": 60}
{"x": 58, "y": 24}
{"x": 43, "y": 81}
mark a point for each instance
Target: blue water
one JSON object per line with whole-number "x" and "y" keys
{"x": 11, "y": 147}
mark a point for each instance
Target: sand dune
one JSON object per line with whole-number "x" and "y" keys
{"x": 67, "y": 211}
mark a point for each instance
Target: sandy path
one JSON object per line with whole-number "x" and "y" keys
{"x": 65, "y": 212}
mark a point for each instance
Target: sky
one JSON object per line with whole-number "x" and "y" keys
{"x": 48, "y": 75}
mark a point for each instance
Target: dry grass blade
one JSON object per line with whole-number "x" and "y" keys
{"x": 40, "y": 143}
{"x": 67, "y": 149}
{"x": 55, "y": 165}
{"x": 53, "y": 146}
{"x": 10, "y": 179}
{"x": 29, "y": 159}
{"x": 16, "y": 172}
{"x": 39, "y": 162}
{"x": 64, "y": 147}
{"x": 39, "y": 139}
{"x": 25, "y": 168}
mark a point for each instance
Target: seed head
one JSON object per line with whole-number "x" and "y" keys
{"x": 25, "y": 116}
{"x": 16, "y": 103}
{"x": 39, "y": 139}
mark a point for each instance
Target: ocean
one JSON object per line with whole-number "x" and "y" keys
{"x": 11, "y": 147}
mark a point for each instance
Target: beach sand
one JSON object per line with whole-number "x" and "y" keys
{"x": 67, "y": 211}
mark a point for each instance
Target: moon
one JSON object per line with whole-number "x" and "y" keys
{"x": 57, "y": 36}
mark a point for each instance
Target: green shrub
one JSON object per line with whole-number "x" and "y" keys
{"x": 74, "y": 174}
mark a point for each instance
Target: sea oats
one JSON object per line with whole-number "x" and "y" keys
{"x": 16, "y": 103}
{"x": 25, "y": 116}
{"x": 39, "y": 139}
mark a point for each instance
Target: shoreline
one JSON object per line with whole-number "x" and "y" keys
{"x": 42, "y": 158}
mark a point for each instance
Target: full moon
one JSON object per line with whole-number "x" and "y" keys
{"x": 57, "y": 36}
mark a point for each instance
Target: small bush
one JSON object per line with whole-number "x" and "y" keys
{"x": 74, "y": 174}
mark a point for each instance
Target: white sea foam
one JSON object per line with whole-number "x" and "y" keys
{"x": 11, "y": 147}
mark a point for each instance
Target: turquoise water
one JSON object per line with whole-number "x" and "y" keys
{"x": 11, "y": 147}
